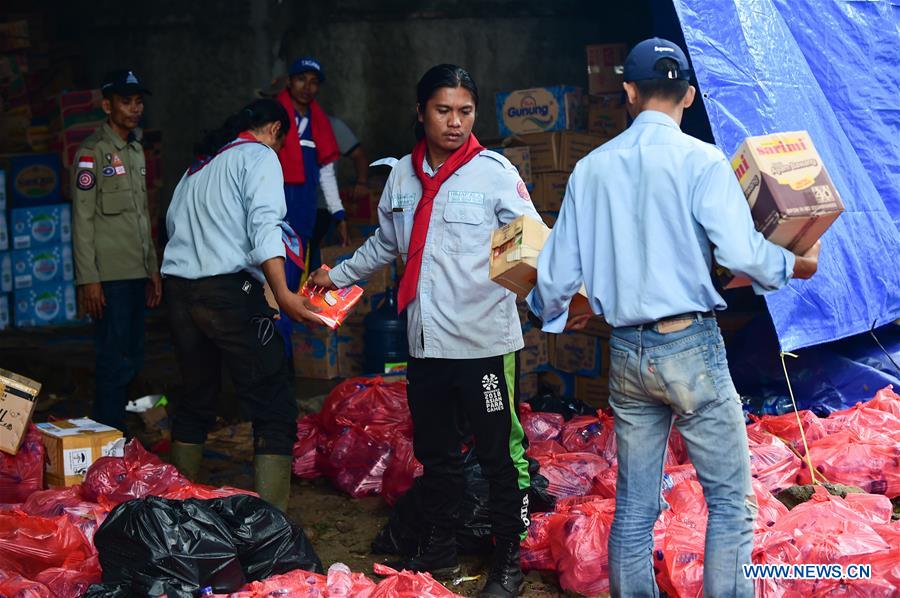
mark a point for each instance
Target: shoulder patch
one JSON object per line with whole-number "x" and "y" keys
{"x": 85, "y": 180}
{"x": 522, "y": 190}
{"x": 85, "y": 161}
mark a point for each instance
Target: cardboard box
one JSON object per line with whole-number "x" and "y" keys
{"x": 607, "y": 116}
{"x": 559, "y": 151}
{"x": 597, "y": 326}
{"x": 528, "y": 386}
{"x": 315, "y": 352}
{"x": 556, "y": 108}
{"x": 549, "y": 191}
{"x": 576, "y": 353}
{"x": 593, "y": 391}
{"x": 4, "y": 312}
{"x": 44, "y": 305}
{"x": 520, "y": 156}
{"x": 351, "y": 350}
{"x": 73, "y": 445}
{"x": 602, "y": 63}
{"x": 559, "y": 383}
{"x": 42, "y": 265}
{"x": 536, "y": 352}
{"x": 17, "y": 399}
{"x": 41, "y": 226}
{"x": 792, "y": 199}
{"x": 514, "y": 252}
{"x": 377, "y": 283}
{"x": 6, "y": 272}
{"x": 34, "y": 179}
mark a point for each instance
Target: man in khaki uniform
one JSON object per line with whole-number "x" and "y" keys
{"x": 115, "y": 259}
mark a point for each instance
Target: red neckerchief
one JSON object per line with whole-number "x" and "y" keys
{"x": 409, "y": 284}
{"x": 291, "y": 154}
{"x": 201, "y": 161}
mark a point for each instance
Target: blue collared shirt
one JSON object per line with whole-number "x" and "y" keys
{"x": 642, "y": 217}
{"x": 227, "y": 216}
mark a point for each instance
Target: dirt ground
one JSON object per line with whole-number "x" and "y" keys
{"x": 340, "y": 528}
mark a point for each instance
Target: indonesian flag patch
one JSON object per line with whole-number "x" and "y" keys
{"x": 86, "y": 162}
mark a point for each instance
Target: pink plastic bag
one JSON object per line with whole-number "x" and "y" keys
{"x": 773, "y": 463}
{"x": 540, "y": 426}
{"x": 862, "y": 417}
{"x": 605, "y": 483}
{"x": 304, "y": 464}
{"x": 849, "y": 457}
{"x": 401, "y": 471}
{"x": 589, "y": 434}
{"x": 769, "y": 509}
{"x": 13, "y": 585}
{"x": 85, "y": 515}
{"x": 297, "y": 583}
{"x": 545, "y": 448}
{"x": 785, "y": 427}
{"x": 22, "y": 473}
{"x": 571, "y": 474}
{"x": 675, "y": 475}
{"x": 886, "y": 400}
{"x": 71, "y": 583}
{"x": 405, "y": 584}
{"x": 535, "y": 550}
{"x": 136, "y": 475}
{"x": 355, "y": 462}
{"x": 578, "y": 543}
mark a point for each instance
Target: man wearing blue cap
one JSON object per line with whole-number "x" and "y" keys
{"x": 308, "y": 159}
{"x": 642, "y": 218}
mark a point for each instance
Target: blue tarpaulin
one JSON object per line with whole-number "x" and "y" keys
{"x": 831, "y": 68}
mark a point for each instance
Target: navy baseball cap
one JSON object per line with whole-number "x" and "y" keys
{"x": 122, "y": 82}
{"x": 640, "y": 64}
{"x": 307, "y": 64}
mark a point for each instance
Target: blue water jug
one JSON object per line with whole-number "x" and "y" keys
{"x": 385, "y": 335}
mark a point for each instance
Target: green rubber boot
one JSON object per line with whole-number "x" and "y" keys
{"x": 187, "y": 458}
{"x": 273, "y": 479}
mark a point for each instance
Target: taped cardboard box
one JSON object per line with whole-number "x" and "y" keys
{"x": 607, "y": 116}
{"x": 556, "y": 108}
{"x": 520, "y": 157}
{"x": 576, "y": 353}
{"x": 18, "y": 395}
{"x": 315, "y": 352}
{"x": 602, "y": 63}
{"x": 549, "y": 191}
{"x": 593, "y": 391}
{"x": 514, "y": 252}
{"x": 73, "y": 445}
{"x": 559, "y": 151}
{"x": 535, "y": 354}
{"x": 792, "y": 198}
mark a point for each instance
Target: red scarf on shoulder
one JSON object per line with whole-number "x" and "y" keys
{"x": 291, "y": 154}
{"x": 409, "y": 284}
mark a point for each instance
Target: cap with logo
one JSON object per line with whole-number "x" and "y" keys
{"x": 640, "y": 64}
{"x": 122, "y": 82}
{"x": 307, "y": 64}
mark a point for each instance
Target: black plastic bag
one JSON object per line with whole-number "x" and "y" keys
{"x": 550, "y": 403}
{"x": 153, "y": 545}
{"x": 266, "y": 540}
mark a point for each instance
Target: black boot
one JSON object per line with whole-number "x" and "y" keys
{"x": 506, "y": 579}
{"x": 437, "y": 555}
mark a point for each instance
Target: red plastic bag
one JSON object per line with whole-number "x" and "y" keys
{"x": 675, "y": 475}
{"x": 38, "y": 543}
{"x": 376, "y": 406}
{"x": 202, "y": 492}
{"x": 402, "y": 469}
{"x": 304, "y": 465}
{"x": 677, "y": 453}
{"x": 773, "y": 463}
{"x": 535, "y": 550}
{"x": 785, "y": 427}
{"x": 605, "y": 483}
{"x": 886, "y": 400}
{"x": 297, "y": 583}
{"x": 545, "y": 448}
{"x": 135, "y": 475}
{"x": 71, "y": 583}
{"x": 85, "y": 515}
{"x": 578, "y": 543}
{"x": 539, "y": 425}
{"x": 861, "y": 418}
{"x": 871, "y": 463}
{"x": 571, "y": 474}
{"x": 589, "y": 434}
{"x": 406, "y": 584}
{"x": 355, "y": 462}
{"x": 769, "y": 509}
{"x": 13, "y": 585}
{"x": 23, "y": 473}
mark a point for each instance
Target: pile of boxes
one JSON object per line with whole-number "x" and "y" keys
{"x": 546, "y": 130}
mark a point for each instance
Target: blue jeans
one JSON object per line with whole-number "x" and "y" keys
{"x": 683, "y": 376}
{"x": 119, "y": 346}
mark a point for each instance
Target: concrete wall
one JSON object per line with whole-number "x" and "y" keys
{"x": 204, "y": 59}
